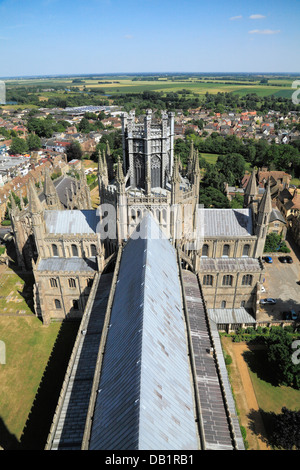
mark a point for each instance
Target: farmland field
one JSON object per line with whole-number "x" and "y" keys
{"x": 124, "y": 84}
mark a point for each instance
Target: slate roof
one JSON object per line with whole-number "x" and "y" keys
{"x": 230, "y": 315}
{"x": 145, "y": 398}
{"x": 67, "y": 264}
{"x": 230, "y": 264}
{"x": 72, "y": 221}
{"x": 61, "y": 185}
{"x": 226, "y": 222}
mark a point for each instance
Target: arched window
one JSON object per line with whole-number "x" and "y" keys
{"x": 223, "y": 304}
{"x": 208, "y": 280}
{"x": 205, "y": 250}
{"x": 74, "y": 250}
{"x": 243, "y": 303}
{"x": 227, "y": 280}
{"x": 246, "y": 250}
{"x": 93, "y": 250}
{"x": 226, "y": 250}
{"x": 53, "y": 282}
{"x": 54, "y": 250}
{"x": 72, "y": 283}
{"x": 57, "y": 303}
{"x": 247, "y": 280}
{"x": 155, "y": 172}
{"x": 75, "y": 305}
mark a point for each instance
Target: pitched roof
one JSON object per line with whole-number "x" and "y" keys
{"x": 225, "y": 222}
{"x": 145, "y": 399}
{"x": 72, "y": 221}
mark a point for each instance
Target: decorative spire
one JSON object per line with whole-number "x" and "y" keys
{"x": 120, "y": 175}
{"x": 175, "y": 175}
{"x": 251, "y": 188}
{"x": 196, "y": 164}
{"x": 266, "y": 201}
{"x": 34, "y": 202}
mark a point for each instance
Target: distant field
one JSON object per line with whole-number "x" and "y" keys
{"x": 127, "y": 85}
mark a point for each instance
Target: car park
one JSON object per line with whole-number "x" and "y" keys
{"x": 268, "y": 301}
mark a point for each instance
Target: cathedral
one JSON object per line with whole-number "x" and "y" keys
{"x": 66, "y": 242}
{"x": 152, "y": 276}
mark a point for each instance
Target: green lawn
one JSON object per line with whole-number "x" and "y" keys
{"x": 270, "y": 397}
{"x": 28, "y": 347}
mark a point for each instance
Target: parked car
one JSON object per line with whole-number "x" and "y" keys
{"x": 289, "y": 259}
{"x": 282, "y": 259}
{"x": 290, "y": 315}
{"x": 268, "y": 259}
{"x": 268, "y": 301}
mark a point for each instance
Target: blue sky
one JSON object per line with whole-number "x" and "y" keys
{"x": 43, "y": 37}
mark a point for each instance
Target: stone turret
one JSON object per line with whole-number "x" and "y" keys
{"x": 263, "y": 219}
{"x": 51, "y": 196}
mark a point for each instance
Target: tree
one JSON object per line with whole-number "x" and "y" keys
{"x": 18, "y": 146}
{"x": 285, "y": 430}
{"x": 33, "y": 142}
{"x": 212, "y": 197}
{"x": 279, "y": 356}
{"x": 74, "y": 151}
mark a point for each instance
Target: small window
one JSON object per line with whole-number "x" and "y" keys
{"x": 74, "y": 250}
{"x": 54, "y": 250}
{"x": 246, "y": 250}
{"x": 75, "y": 305}
{"x": 227, "y": 280}
{"x": 57, "y": 304}
{"x": 243, "y": 303}
{"x": 205, "y": 250}
{"x": 72, "y": 283}
{"x": 208, "y": 280}
{"x": 226, "y": 250}
{"x": 223, "y": 304}
{"x": 247, "y": 280}
{"x": 93, "y": 250}
{"x": 53, "y": 282}
{"x": 89, "y": 282}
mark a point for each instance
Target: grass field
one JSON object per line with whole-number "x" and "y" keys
{"x": 27, "y": 406}
{"x": 127, "y": 85}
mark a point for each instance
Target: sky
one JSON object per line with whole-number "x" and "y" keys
{"x": 56, "y": 37}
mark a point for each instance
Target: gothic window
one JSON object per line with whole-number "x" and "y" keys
{"x": 74, "y": 250}
{"x": 139, "y": 172}
{"x": 205, "y": 250}
{"x": 93, "y": 250}
{"x": 246, "y": 250}
{"x": 243, "y": 303}
{"x": 155, "y": 172}
{"x": 247, "y": 280}
{"x": 53, "y": 282}
{"x": 223, "y": 304}
{"x": 208, "y": 280}
{"x": 227, "y": 280}
{"x": 75, "y": 305}
{"x": 89, "y": 282}
{"x": 54, "y": 250}
{"x": 226, "y": 250}
{"x": 72, "y": 283}
{"x": 57, "y": 304}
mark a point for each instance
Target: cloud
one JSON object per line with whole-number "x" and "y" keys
{"x": 264, "y": 31}
{"x": 128, "y": 36}
{"x": 239, "y": 17}
{"x": 256, "y": 17}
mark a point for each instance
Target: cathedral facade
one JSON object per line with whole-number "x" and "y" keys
{"x": 223, "y": 247}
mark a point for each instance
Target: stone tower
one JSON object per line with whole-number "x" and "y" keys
{"x": 262, "y": 220}
{"x": 148, "y": 150}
